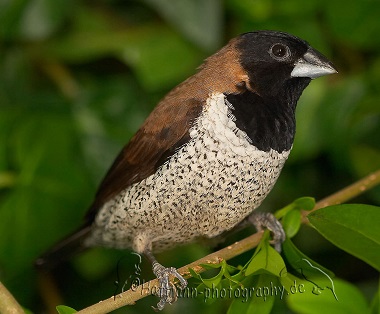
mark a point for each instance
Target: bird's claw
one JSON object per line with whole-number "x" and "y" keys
{"x": 267, "y": 220}
{"x": 167, "y": 290}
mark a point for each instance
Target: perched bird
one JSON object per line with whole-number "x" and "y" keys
{"x": 206, "y": 157}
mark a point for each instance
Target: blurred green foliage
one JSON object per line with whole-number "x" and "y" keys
{"x": 77, "y": 78}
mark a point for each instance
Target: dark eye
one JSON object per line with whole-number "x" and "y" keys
{"x": 279, "y": 52}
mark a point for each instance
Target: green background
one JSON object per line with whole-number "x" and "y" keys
{"x": 77, "y": 78}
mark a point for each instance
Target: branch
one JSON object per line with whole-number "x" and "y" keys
{"x": 347, "y": 193}
{"x": 62, "y": 77}
{"x": 8, "y": 304}
{"x": 130, "y": 296}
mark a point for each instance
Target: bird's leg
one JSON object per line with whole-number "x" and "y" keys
{"x": 267, "y": 220}
{"x": 167, "y": 290}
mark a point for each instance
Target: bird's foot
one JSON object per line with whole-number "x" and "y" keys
{"x": 267, "y": 220}
{"x": 167, "y": 290}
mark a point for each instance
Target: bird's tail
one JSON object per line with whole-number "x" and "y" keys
{"x": 63, "y": 250}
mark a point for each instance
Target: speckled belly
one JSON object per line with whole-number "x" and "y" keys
{"x": 208, "y": 186}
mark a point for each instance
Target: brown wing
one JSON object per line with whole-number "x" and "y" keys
{"x": 167, "y": 126}
{"x": 164, "y": 130}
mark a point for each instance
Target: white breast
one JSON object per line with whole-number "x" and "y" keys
{"x": 207, "y": 187}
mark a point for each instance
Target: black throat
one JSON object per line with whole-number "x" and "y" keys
{"x": 268, "y": 121}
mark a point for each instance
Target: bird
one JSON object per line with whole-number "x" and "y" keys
{"x": 206, "y": 156}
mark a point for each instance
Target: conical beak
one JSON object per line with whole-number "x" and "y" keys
{"x": 313, "y": 64}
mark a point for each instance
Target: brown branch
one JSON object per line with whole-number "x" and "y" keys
{"x": 62, "y": 77}
{"x": 8, "y": 304}
{"x": 49, "y": 291}
{"x": 132, "y": 295}
{"x": 346, "y": 193}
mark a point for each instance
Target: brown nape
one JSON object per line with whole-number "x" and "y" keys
{"x": 219, "y": 73}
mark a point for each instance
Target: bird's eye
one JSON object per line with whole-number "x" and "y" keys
{"x": 279, "y": 52}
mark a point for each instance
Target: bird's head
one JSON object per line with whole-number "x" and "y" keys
{"x": 278, "y": 63}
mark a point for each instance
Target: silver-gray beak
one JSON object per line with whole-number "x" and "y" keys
{"x": 312, "y": 64}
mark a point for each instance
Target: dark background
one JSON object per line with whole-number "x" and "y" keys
{"x": 77, "y": 78}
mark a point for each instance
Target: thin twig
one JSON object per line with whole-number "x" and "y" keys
{"x": 8, "y": 304}
{"x": 347, "y": 193}
{"x": 132, "y": 295}
{"x": 62, "y": 77}
{"x": 49, "y": 291}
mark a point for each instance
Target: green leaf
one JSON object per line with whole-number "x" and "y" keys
{"x": 209, "y": 294}
{"x": 303, "y": 264}
{"x": 264, "y": 301}
{"x": 214, "y": 281}
{"x": 256, "y": 296}
{"x": 267, "y": 260}
{"x": 350, "y": 300}
{"x": 220, "y": 286}
{"x": 238, "y": 306}
{"x": 311, "y": 273}
{"x": 291, "y": 223}
{"x": 299, "y": 287}
{"x": 353, "y": 228}
{"x": 302, "y": 203}
{"x": 212, "y": 265}
{"x": 291, "y": 284}
{"x": 236, "y": 278}
{"x": 194, "y": 274}
{"x": 375, "y": 304}
{"x": 305, "y": 203}
{"x": 63, "y": 309}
